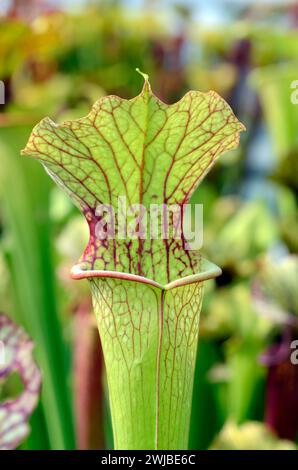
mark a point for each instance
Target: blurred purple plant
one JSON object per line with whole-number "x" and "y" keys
{"x": 275, "y": 295}
{"x": 16, "y": 356}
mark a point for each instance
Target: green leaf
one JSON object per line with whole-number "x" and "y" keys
{"x": 144, "y": 150}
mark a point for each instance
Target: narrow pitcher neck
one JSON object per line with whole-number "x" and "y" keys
{"x": 149, "y": 338}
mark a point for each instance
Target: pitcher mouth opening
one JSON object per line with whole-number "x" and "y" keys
{"x": 209, "y": 271}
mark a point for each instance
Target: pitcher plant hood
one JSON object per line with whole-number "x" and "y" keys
{"x": 146, "y": 151}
